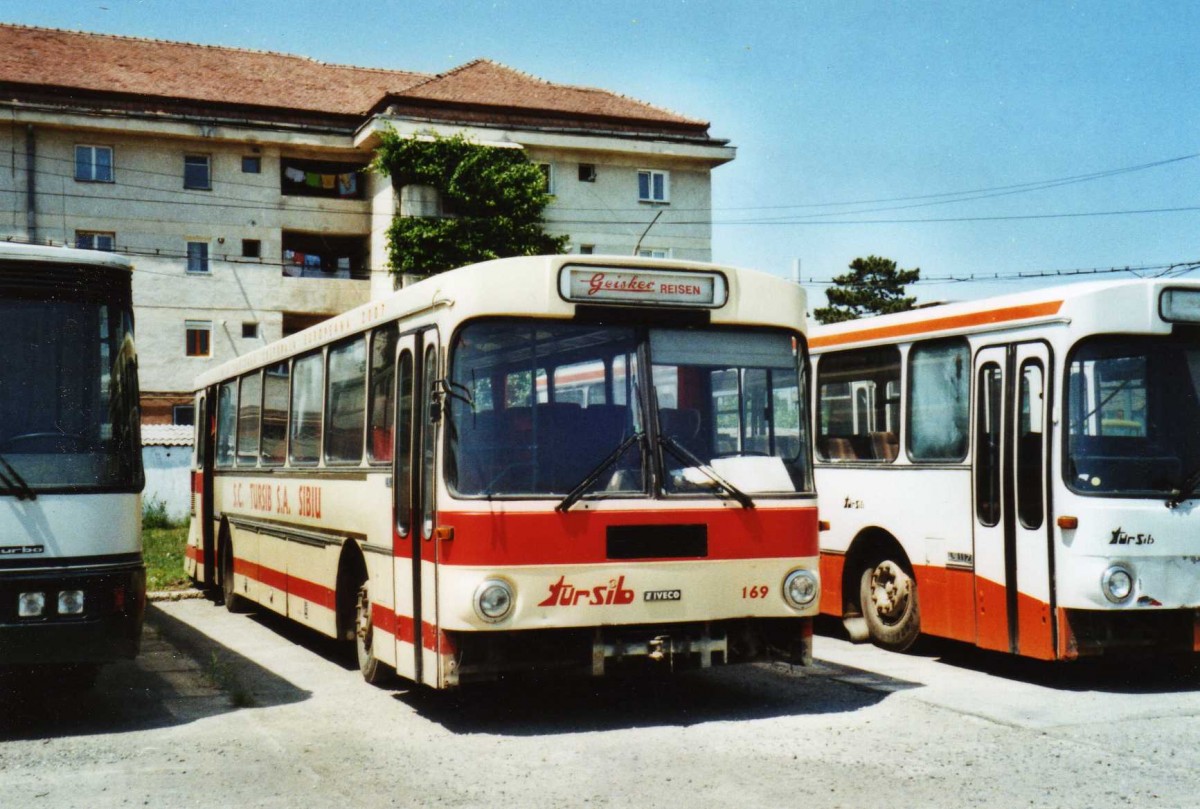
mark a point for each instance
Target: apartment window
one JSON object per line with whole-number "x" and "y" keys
{"x": 197, "y": 257}
{"x": 251, "y": 164}
{"x": 199, "y": 338}
{"x": 547, "y": 177}
{"x": 251, "y": 248}
{"x": 654, "y": 186}
{"x": 587, "y": 173}
{"x": 183, "y": 414}
{"x": 587, "y": 249}
{"x": 94, "y": 164}
{"x": 94, "y": 240}
{"x": 249, "y": 331}
{"x": 653, "y": 252}
{"x": 197, "y": 172}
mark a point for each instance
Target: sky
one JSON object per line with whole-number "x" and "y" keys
{"x": 998, "y": 147}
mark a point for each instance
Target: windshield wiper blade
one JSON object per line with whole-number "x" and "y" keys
{"x": 1185, "y": 490}
{"x": 15, "y": 482}
{"x": 576, "y": 493}
{"x": 685, "y": 455}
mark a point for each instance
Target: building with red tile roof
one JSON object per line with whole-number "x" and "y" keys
{"x": 237, "y": 179}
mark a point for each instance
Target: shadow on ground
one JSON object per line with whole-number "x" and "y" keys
{"x": 182, "y": 675}
{"x": 1129, "y": 673}
{"x": 535, "y": 707}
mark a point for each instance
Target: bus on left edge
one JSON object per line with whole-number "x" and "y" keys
{"x": 72, "y": 578}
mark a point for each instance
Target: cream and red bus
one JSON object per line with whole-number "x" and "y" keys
{"x": 423, "y": 476}
{"x": 1019, "y": 472}
{"x": 72, "y": 579}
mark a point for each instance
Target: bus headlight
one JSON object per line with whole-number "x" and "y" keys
{"x": 70, "y": 602}
{"x": 1117, "y": 584}
{"x": 800, "y": 588}
{"x": 493, "y": 600}
{"x": 31, "y": 605}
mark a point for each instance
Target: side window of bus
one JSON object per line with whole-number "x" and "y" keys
{"x": 988, "y": 423}
{"x": 1030, "y": 459}
{"x": 581, "y": 383}
{"x": 857, "y": 405}
{"x": 249, "y": 419}
{"x": 226, "y": 422}
{"x": 275, "y": 412}
{"x": 428, "y": 482}
{"x": 382, "y": 408}
{"x": 519, "y": 387}
{"x": 939, "y": 400}
{"x": 304, "y": 423}
{"x": 199, "y": 429}
{"x": 404, "y": 384}
{"x": 346, "y": 402}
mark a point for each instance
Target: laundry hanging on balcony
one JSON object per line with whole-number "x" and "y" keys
{"x": 344, "y": 184}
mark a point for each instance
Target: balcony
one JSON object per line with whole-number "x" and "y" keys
{"x": 324, "y": 255}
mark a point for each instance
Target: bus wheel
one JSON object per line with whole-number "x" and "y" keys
{"x": 888, "y": 595}
{"x": 372, "y": 670}
{"x": 233, "y": 601}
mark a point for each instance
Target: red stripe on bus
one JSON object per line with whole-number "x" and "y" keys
{"x": 193, "y": 553}
{"x": 580, "y": 536}
{"x": 402, "y": 627}
{"x": 292, "y": 585}
{"x": 988, "y": 317}
{"x": 957, "y": 604}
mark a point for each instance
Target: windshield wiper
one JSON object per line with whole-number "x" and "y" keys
{"x": 1185, "y": 490}
{"x": 685, "y": 455}
{"x": 15, "y": 482}
{"x": 573, "y": 496}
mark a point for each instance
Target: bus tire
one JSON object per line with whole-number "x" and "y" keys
{"x": 888, "y": 596}
{"x": 373, "y": 671}
{"x": 233, "y": 601}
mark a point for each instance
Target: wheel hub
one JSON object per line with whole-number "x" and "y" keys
{"x": 890, "y": 590}
{"x": 363, "y": 616}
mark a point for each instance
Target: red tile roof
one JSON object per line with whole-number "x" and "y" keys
{"x": 107, "y": 64}
{"x": 487, "y": 83}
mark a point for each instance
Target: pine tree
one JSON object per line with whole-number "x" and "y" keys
{"x": 874, "y": 286}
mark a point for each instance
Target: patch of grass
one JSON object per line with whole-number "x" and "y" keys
{"x": 220, "y": 673}
{"x": 163, "y": 551}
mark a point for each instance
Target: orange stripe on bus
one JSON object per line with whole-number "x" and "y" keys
{"x": 941, "y": 324}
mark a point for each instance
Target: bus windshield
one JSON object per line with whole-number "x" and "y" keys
{"x": 68, "y": 396}
{"x": 1134, "y": 415}
{"x": 538, "y": 406}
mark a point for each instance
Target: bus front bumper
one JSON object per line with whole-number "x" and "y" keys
{"x": 108, "y": 628}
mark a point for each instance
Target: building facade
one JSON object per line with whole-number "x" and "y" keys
{"x": 238, "y": 181}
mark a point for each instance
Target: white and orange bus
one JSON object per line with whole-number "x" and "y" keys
{"x": 423, "y": 474}
{"x": 72, "y": 578}
{"x": 1018, "y": 473}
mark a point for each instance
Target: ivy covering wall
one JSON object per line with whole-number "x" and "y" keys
{"x": 493, "y": 199}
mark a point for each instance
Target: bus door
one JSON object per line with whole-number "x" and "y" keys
{"x": 202, "y": 483}
{"x": 413, "y": 491}
{"x": 1013, "y": 563}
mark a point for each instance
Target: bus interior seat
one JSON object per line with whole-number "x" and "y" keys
{"x": 838, "y": 449}
{"x": 885, "y": 446}
{"x": 683, "y": 425}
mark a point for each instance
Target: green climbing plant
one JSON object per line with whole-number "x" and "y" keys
{"x": 494, "y": 199}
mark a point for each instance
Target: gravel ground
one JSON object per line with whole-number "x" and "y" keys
{"x": 259, "y": 713}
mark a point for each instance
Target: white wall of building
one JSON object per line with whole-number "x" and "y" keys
{"x": 153, "y": 217}
{"x": 168, "y": 479}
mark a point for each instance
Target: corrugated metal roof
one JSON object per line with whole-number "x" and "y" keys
{"x": 166, "y": 435}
